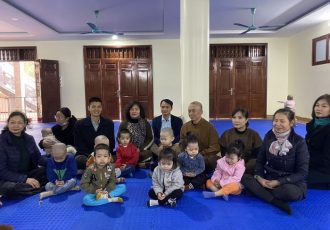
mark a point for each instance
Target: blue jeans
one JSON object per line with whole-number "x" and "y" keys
{"x": 61, "y": 189}
{"x": 129, "y": 169}
{"x": 90, "y": 199}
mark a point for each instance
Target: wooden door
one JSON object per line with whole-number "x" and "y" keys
{"x": 224, "y": 88}
{"x": 136, "y": 85}
{"x": 144, "y": 86}
{"x": 241, "y": 86}
{"x": 237, "y": 82}
{"x": 212, "y": 87}
{"x": 93, "y": 80}
{"x": 128, "y": 84}
{"x": 110, "y": 89}
{"x": 258, "y": 87}
{"x": 48, "y": 89}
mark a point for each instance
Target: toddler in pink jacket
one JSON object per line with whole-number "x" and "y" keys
{"x": 228, "y": 173}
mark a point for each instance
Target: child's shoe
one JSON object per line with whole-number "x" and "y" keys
{"x": 151, "y": 203}
{"x": 116, "y": 200}
{"x": 188, "y": 187}
{"x": 172, "y": 202}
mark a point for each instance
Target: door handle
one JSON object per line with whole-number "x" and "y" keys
{"x": 231, "y": 91}
{"x": 117, "y": 93}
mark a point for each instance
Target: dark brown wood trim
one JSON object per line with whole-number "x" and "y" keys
{"x": 327, "y": 56}
{"x": 21, "y": 53}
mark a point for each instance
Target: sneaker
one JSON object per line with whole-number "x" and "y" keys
{"x": 188, "y": 187}
{"x": 172, "y": 202}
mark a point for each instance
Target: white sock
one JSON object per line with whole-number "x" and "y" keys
{"x": 153, "y": 203}
{"x": 46, "y": 194}
{"x": 115, "y": 199}
{"x": 75, "y": 188}
{"x": 225, "y": 197}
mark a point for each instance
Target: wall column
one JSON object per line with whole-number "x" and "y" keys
{"x": 194, "y": 47}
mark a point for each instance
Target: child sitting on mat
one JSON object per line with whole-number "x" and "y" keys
{"x": 101, "y": 139}
{"x": 61, "y": 170}
{"x": 192, "y": 164}
{"x": 167, "y": 181}
{"x": 99, "y": 180}
{"x": 127, "y": 153}
{"x": 228, "y": 173}
{"x": 166, "y": 141}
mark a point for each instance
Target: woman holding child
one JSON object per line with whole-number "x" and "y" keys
{"x": 19, "y": 160}
{"x": 63, "y": 130}
{"x": 139, "y": 127}
{"x": 241, "y": 131}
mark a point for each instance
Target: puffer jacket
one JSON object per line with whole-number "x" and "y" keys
{"x": 167, "y": 182}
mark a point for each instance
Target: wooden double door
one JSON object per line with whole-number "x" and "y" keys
{"x": 237, "y": 82}
{"x": 118, "y": 82}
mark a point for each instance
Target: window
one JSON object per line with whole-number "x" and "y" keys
{"x": 321, "y": 50}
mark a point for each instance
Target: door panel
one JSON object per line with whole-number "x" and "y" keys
{"x": 50, "y": 88}
{"x": 241, "y": 85}
{"x": 258, "y": 87}
{"x": 224, "y": 85}
{"x": 127, "y": 84}
{"x": 213, "y": 87}
{"x": 144, "y": 86}
{"x": 110, "y": 89}
{"x": 93, "y": 80}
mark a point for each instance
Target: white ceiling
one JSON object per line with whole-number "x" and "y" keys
{"x": 148, "y": 19}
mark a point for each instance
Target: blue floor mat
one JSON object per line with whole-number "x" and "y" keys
{"x": 193, "y": 211}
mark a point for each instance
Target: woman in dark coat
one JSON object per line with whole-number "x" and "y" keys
{"x": 282, "y": 164}
{"x": 19, "y": 160}
{"x": 318, "y": 142}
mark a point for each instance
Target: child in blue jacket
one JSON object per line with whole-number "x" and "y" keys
{"x": 61, "y": 172}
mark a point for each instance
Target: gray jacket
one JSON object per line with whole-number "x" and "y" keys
{"x": 167, "y": 182}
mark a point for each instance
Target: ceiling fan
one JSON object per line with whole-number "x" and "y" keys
{"x": 96, "y": 30}
{"x": 254, "y": 27}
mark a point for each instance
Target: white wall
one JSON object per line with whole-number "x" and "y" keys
{"x": 166, "y": 69}
{"x": 307, "y": 82}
